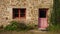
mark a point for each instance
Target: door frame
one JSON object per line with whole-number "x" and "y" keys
{"x": 45, "y": 17}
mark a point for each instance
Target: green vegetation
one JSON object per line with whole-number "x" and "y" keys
{"x": 55, "y": 17}
{"x": 19, "y": 26}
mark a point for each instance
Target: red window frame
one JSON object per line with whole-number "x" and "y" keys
{"x": 20, "y": 15}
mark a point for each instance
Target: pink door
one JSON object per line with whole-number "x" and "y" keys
{"x": 42, "y": 24}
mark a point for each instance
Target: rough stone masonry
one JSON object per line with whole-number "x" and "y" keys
{"x": 31, "y": 6}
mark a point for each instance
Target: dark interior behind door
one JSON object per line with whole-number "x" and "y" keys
{"x": 42, "y": 13}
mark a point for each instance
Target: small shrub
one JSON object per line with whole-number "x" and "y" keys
{"x": 16, "y": 26}
{"x": 12, "y": 26}
{"x": 19, "y": 26}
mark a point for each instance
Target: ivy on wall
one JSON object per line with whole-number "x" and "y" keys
{"x": 55, "y": 16}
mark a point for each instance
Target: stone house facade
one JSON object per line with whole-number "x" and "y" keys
{"x": 29, "y": 9}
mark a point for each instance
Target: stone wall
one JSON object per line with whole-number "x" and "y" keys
{"x": 31, "y": 6}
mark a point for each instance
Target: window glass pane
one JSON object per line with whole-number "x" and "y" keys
{"x": 15, "y": 15}
{"x": 15, "y": 11}
{"x": 22, "y": 15}
{"x": 22, "y": 12}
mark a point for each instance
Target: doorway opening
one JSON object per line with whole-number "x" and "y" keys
{"x": 42, "y": 20}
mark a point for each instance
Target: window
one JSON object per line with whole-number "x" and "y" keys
{"x": 19, "y": 12}
{"x": 22, "y": 12}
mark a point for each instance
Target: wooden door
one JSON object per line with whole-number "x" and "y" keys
{"x": 43, "y": 22}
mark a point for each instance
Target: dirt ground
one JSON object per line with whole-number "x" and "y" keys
{"x": 27, "y": 32}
